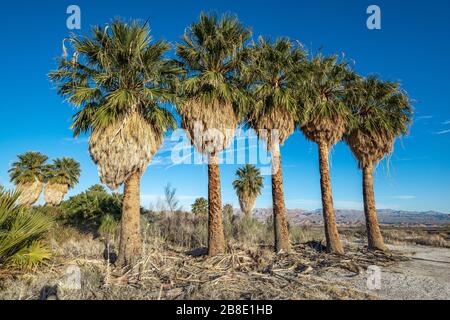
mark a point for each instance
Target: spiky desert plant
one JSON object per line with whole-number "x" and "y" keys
{"x": 272, "y": 74}
{"x": 209, "y": 99}
{"x": 381, "y": 113}
{"x": 119, "y": 77}
{"x": 28, "y": 176}
{"x": 61, "y": 175}
{"x": 248, "y": 186}
{"x": 323, "y": 119}
{"x": 21, "y": 233}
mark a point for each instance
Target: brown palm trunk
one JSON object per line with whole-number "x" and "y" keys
{"x": 130, "y": 246}
{"x": 279, "y": 210}
{"x": 375, "y": 239}
{"x": 334, "y": 244}
{"x": 216, "y": 239}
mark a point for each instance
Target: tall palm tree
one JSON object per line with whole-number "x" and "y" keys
{"x": 62, "y": 175}
{"x": 323, "y": 119}
{"x": 119, "y": 77}
{"x": 381, "y": 112}
{"x": 28, "y": 176}
{"x": 271, "y": 72}
{"x": 209, "y": 99}
{"x": 248, "y": 186}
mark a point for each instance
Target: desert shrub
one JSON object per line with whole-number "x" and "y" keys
{"x": 21, "y": 233}
{"x": 108, "y": 225}
{"x": 434, "y": 240}
{"x": 90, "y": 206}
{"x": 180, "y": 229}
{"x": 249, "y": 230}
{"x": 303, "y": 234}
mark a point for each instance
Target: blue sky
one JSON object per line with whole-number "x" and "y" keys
{"x": 412, "y": 47}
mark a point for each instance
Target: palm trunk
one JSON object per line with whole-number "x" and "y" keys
{"x": 216, "y": 239}
{"x": 375, "y": 239}
{"x": 130, "y": 246}
{"x": 334, "y": 244}
{"x": 279, "y": 210}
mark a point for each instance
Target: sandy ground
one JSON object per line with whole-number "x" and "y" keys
{"x": 425, "y": 276}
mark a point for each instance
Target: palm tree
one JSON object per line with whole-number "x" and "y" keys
{"x": 28, "y": 176}
{"x": 200, "y": 207}
{"x": 323, "y": 119}
{"x": 382, "y": 112}
{"x": 119, "y": 78}
{"x": 271, "y": 73}
{"x": 248, "y": 186}
{"x": 209, "y": 99}
{"x": 62, "y": 175}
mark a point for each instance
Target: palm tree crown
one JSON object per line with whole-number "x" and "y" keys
{"x": 272, "y": 71}
{"x": 323, "y": 115}
{"x": 209, "y": 96}
{"x": 29, "y": 168}
{"x": 119, "y": 78}
{"x": 381, "y": 112}
{"x": 249, "y": 181}
{"x": 65, "y": 171}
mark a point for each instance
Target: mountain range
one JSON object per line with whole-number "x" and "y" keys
{"x": 356, "y": 217}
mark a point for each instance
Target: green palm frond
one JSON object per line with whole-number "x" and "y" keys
{"x": 271, "y": 72}
{"x": 63, "y": 171}
{"x": 210, "y": 53}
{"x": 20, "y": 233}
{"x": 115, "y": 71}
{"x": 249, "y": 181}
{"x": 29, "y": 168}
{"x": 323, "y": 89}
{"x": 30, "y": 256}
{"x": 108, "y": 225}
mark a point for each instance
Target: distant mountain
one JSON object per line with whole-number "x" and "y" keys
{"x": 356, "y": 217}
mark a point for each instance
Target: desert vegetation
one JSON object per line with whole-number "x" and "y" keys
{"x": 121, "y": 80}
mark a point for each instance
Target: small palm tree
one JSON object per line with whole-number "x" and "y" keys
{"x": 28, "y": 176}
{"x": 209, "y": 99}
{"x": 119, "y": 78}
{"x": 62, "y": 175}
{"x": 248, "y": 186}
{"x": 381, "y": 112}
{"x": 200, "y": 207}
{"x": 271, "y": 73}
{"x": 323, "y": 119}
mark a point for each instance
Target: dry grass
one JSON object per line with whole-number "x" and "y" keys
{"x": 170, "y": 269}
{"x": 425, "y": 236}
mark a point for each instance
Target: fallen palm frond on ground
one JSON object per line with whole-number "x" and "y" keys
{"x": 168, "y": 271}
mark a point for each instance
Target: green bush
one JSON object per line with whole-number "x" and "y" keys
{"x": 90, "y": 206}
{"x": 21, "y": 233}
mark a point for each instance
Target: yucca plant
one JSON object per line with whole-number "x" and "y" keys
{"x": 209, "y": 100}
{"x": 21, "y": 233}
{"x": 28, "y": 176}
{"x": 271, "y": 72}
{"x": 323, "y": 118}
{"x": 248, "y": 186}
{"x": 381, "y": 113}
{"x": 61, "y": 176}
{"x": 120, "y": 78}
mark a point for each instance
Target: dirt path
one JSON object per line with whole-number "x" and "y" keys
{"x": 425, "y": 276}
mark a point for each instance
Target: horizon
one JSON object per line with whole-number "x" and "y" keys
{"x": 410, "y": 47}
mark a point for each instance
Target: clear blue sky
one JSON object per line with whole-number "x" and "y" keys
{"x": 412, "y": 47}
